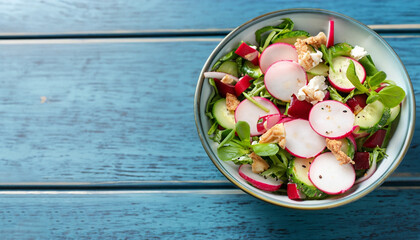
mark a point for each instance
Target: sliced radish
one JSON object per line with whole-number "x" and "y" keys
{"x": 242, "y": 84}
{"x": 219, "y": 75}
{"x": 376, "y": 140}
{"x": 248, "y": 53}
{"x": 328, "y": 175}
{"x": 327, "y": 96}
{"x": 266, "y": 122}
{"x": 330, "y": 40}
{"x": 264, "y": 183}
{"x": 337, "y": 74}
{"x": 331, "y": 119}
{"x": 285, "y": 78}
{"x": 224, "y": 88}
{"x": 277, "y": 52}
{"x": 250, "y": 113}
{"x": 299, "y": 109}
{"x": 368, "y": 173}
{"x": 358, "y": 133}
{"x": 294, "y": 193}
{"x": 301, "y": 140}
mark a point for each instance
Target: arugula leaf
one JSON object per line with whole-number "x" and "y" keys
{"x": 243, "y": 131}
{"x": 327, "y": 55}
{"x": 376, "y": 79}
{"x": 229, "y": 56}
{"x": 351, "y": 75}
{"x": 268, "y": 40}
{"x": 228, "y": 153}
{"x": 391, "y": 95}
{"x": 228, "y": 138}
{"x": 213, "y": 128}
{"x": 351, "y": 94}
{"x": 265, "y": 149}
{"x": 278, "y": 171}
{"x": 245, "y": 159}
{"x": 378, "y": 154}
{"x": 285, "y": 26}
{"x": 340, "y": 49}
{"x": 334, "y": 95}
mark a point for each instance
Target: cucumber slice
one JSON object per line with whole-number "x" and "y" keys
{"x": 229, "y": 67}
{"x": 373, "y": 117}
{"x": 224, "y": 117}
{"x": 337, "y": 73}
{"x": 347, "y": 147}
{"x": 251, "y": 70}
{"x": 298, "y": 173}
{"x": 291, "y": 37}
{"x": 394, "y": 113}
{"x": 320, "y": 69}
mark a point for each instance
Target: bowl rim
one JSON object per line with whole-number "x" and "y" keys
{"x": 402, "y": 152}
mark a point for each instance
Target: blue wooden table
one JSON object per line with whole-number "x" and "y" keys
{"x": 97, "y": 129}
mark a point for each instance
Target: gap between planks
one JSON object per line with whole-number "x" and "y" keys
{"x": 384, "y": 28}
{"x": 132, "y": 40}
{"x": 160, "y": 191}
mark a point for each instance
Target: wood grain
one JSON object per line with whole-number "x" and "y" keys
{"x": 58, "y": 17}
{"x": 115, "y": 111}
{"x": 387, "y": 213}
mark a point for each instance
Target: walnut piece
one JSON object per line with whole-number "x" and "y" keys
{"x": 304, "y": 51}
{"x": 313, "y": 96}
{"x": 231, "y": 102}
{"x": 259, "y": 165}
{"x": 276, "y": 134}
{"x": 227, "y": 79}
{"x": 335, "y": 147}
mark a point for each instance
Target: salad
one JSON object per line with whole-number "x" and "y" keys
{"x": 300, "y": 114}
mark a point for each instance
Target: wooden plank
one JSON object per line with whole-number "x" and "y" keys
{"x": 60, "y": 17}
{"x": 115, "y": 111}
{"x": 209, "y": 214}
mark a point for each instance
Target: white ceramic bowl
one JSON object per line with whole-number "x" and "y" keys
{"x": 346, "y": 30}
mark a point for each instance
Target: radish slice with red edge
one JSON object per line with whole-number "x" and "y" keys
{"x": 328, "y": 175}
{"x": 243, "y": 83}
{"x": 277, "y": 52}
{"x": 266, "y": 122}
{"x": 337, "y": 74}
{"x": 267, "y": 183}
{"x": 301, "y": 140}
{"x": 330, "y": 40}
{"x": 285, "y": 78}
{"x": 248, "y": 53}
{"x": 248, "y": 112}
{"x": 331, "y": 119}
{"x": 294, "y": 193}
{"x": 219, "y": 75}
{"x": 368, "y": 173}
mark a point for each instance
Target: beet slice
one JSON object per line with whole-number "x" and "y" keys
{"x": 376, "y": 140}
{"x": 299, "y": 109}
{"x": 361, "y": 160}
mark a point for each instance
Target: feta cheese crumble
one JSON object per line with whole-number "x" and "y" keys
{"x": 358, "y": 52}
{"x": 314, "y": 91}
{"x": 316, "y": 58}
